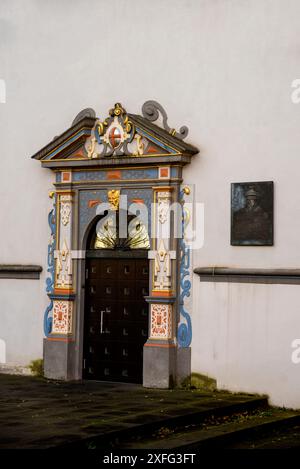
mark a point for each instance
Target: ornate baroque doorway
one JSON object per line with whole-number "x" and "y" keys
{"x": 94, "y": 326}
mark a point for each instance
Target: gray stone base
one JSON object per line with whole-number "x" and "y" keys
{"x": 11, "y": 369}
{"x": 159, "y": 367}
{"x": 59, "y": 360}
{"x": 183, "y": 366}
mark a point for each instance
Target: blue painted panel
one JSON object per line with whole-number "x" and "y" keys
{"x": 126, "y": 174}
{"x": 184, "y": 335}
{"x": 50, "y": 270}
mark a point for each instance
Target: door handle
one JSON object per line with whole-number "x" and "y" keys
{"x": 101, "y": 321}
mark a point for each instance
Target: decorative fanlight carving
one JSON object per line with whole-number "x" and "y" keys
{"x": 107, "y": 234}
{"x": 138, "y": 237}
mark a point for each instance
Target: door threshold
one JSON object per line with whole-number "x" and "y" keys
{"x": 110, "y": 382}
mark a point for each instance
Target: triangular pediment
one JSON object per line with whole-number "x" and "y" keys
{"x": 120, "y": 135}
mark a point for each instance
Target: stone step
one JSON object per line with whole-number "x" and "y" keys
{"x": 254, "y": 427}
{"x": 146, "y": 429}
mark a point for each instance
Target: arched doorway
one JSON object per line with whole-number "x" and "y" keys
{"x": 125, "y": 156}
{"x": 116, "y": 313}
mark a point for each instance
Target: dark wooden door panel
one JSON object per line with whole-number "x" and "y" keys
{"x": 116, "y": 319}
{"x": 127, "y": 270}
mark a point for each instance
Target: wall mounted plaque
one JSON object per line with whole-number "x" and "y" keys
{"x": 252, "y": 214}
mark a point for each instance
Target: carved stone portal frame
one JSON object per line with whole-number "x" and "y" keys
{"x": 130, "y": 155}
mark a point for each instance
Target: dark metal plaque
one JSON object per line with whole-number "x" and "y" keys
{"x": 252, "y": 214}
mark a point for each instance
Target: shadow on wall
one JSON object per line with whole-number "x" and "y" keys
{"x": 2, "y": 351}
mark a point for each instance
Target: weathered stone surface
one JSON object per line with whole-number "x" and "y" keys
{"x": 36, "y": 413}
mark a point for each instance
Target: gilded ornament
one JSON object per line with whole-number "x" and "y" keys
{"x": 138, "y": 237}
{"x": 186, "y": 216}
{"x": 100, "y": 128}
{"x": 112, "y": 136}
{"x": 106, "y": 235}
{"x": 114, "y": 198}
{"x": 117, "y": 110}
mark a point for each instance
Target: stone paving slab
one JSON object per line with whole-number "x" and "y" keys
{"x": 37, "y": 413}
{"x": 242, "y": 431}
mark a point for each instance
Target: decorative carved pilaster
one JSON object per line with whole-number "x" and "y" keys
{"x": 63, "y": 253}
{"x": 162, "y": 255}
{"x": 163, "y": 202}
{"x": 62, "y": 302}
{"x": 163, "y": 285}
{"x": 65, "y": 209}
{"x": 162, "y": 267}
{"x": 64, "y": 271}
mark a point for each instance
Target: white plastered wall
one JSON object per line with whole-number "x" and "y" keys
{"x": 225, "y": 69}
{"x": 243, "y": 335}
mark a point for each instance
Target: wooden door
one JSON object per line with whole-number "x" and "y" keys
{"x": 116, "y": 319}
